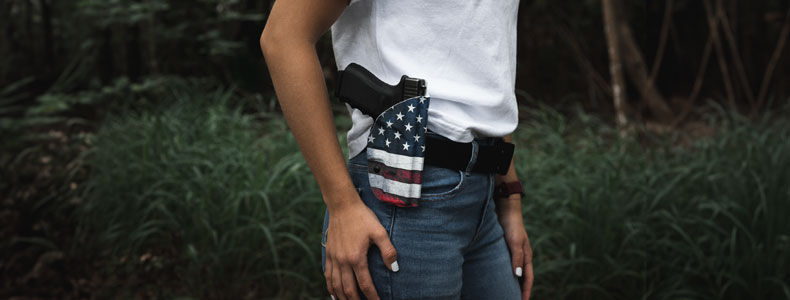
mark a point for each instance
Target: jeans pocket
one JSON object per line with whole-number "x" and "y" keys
{"x": 440, "y": 183}
{"x": 357, "y": 169}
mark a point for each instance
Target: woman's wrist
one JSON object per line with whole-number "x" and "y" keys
{"x": 341, "y": 197}
{"x": 509, "y": 204}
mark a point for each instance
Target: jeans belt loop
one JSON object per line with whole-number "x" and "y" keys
{"x": 473, "y": 158}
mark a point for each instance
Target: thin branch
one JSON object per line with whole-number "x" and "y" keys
{"x": 572, "y": 38}
{"x": 736, "y": 56}
{"x": 662, "y": 44}
{"x": 703, "y": 67}
{"x": 714, "y": 33}
{"x": 596, "y": 80}
{"x": 769, "y": 71}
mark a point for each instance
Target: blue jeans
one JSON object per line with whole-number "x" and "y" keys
{"x": 449, "y": 247}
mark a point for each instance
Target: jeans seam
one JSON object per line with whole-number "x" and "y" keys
{"x": 394, "y": 211}
{"x": 489, "y": 197}
{"x": 356, "y": 167}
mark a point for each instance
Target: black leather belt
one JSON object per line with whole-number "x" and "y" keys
{"x": 493, "y": 154}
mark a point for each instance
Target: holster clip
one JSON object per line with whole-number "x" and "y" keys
{"x": 504, "y": 153}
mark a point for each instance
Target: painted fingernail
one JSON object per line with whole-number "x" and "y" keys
{"x": 395, "y": 266}
{"x": 333, "y": 297}
{"x": 519, "y": 272}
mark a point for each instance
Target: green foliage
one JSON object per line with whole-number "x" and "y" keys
{"x": 124, "y": 12}
{"x": 40, "y": 155}
{"x": 31, "y": 143}
{"x": 228, "y": 205}
{"x": 69, "y": 46}
{"x": 201, "y": 200}
{"x": 119, "y": 96}
{"x": 202, "y": 191}
{"x": 20, "y": 123}
{"x": 612, "y": 219}
{"x": 10, "y": 106}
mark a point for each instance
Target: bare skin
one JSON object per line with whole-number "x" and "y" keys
{"x": 512, "y": 221}
{"x": 288, "y": 45}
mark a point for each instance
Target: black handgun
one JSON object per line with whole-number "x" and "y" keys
{"x": 364, "y": 91}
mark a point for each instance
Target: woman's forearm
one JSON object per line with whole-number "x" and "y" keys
{"x": 301, "y": 90}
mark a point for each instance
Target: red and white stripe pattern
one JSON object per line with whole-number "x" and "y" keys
{"x": 395, "y": 178}
{"x": 395, "y": 151}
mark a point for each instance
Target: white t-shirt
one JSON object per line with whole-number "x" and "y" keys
{"x": 465, "y": 51}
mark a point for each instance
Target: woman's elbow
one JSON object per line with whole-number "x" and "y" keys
{"x": 268, "y": 41}
{"x": 275, "y": 42}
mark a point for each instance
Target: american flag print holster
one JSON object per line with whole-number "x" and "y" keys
{"x": 396, "y": 152}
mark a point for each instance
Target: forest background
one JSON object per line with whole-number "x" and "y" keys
{"x": 144, "y": 155}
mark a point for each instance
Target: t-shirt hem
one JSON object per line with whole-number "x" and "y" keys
{"x": 357, "y": 145}
{"x": 450, "y": 131}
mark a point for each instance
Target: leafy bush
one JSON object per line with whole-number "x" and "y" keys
{"x": 41, "y": 159}
{"x": 614, "y": 219}
{"x": 209, "y": 202}
{"x": 201, "y": 191}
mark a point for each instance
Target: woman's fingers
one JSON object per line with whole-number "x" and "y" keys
{"x": 517, "y": 258}
{"x": 388, "y": 253}
{"x": 365, "y": 281}
{"x": 530, "y": 275}
{"x": 528, "y": 280}
{"x": 328, "y": 276}
{"x": 349, "y": 290}
{"x": 337, "y": 282}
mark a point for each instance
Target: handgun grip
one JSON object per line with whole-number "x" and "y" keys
{"x": 364, "y": 91}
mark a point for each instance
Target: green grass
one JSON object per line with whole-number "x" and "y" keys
{"x": 201, "y": 200}
{"x": 611, "y": 219}
{"x": 223, "y": 202}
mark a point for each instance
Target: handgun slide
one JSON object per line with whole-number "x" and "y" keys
{"x": 364, "y": 91}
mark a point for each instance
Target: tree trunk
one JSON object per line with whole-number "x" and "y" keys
{"x": 713, "y": 25}
{"x": 106, "y": 58}
{"x": 133, "y": 57}
{"x": 153, "y": 64}
{"x": 615, "y": 66}
{"x": 6, "y": 40}
{"x": 662, "y": 41}
{"x": 49, "y": 52}
{"x": 594, "y": 79}
{"x": 727, "y": 26}
{"x": 769, "y": 70}
{"x": 636, "y": 67}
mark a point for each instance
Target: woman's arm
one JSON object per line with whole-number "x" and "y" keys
{"x": 512, "y": 221}
{"x": 288, "y": 44}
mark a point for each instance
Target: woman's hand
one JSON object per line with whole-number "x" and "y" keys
{"x": 510, "y": 217}
{"x": 288, "y": 44}
{"x": 352, "y": 229}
